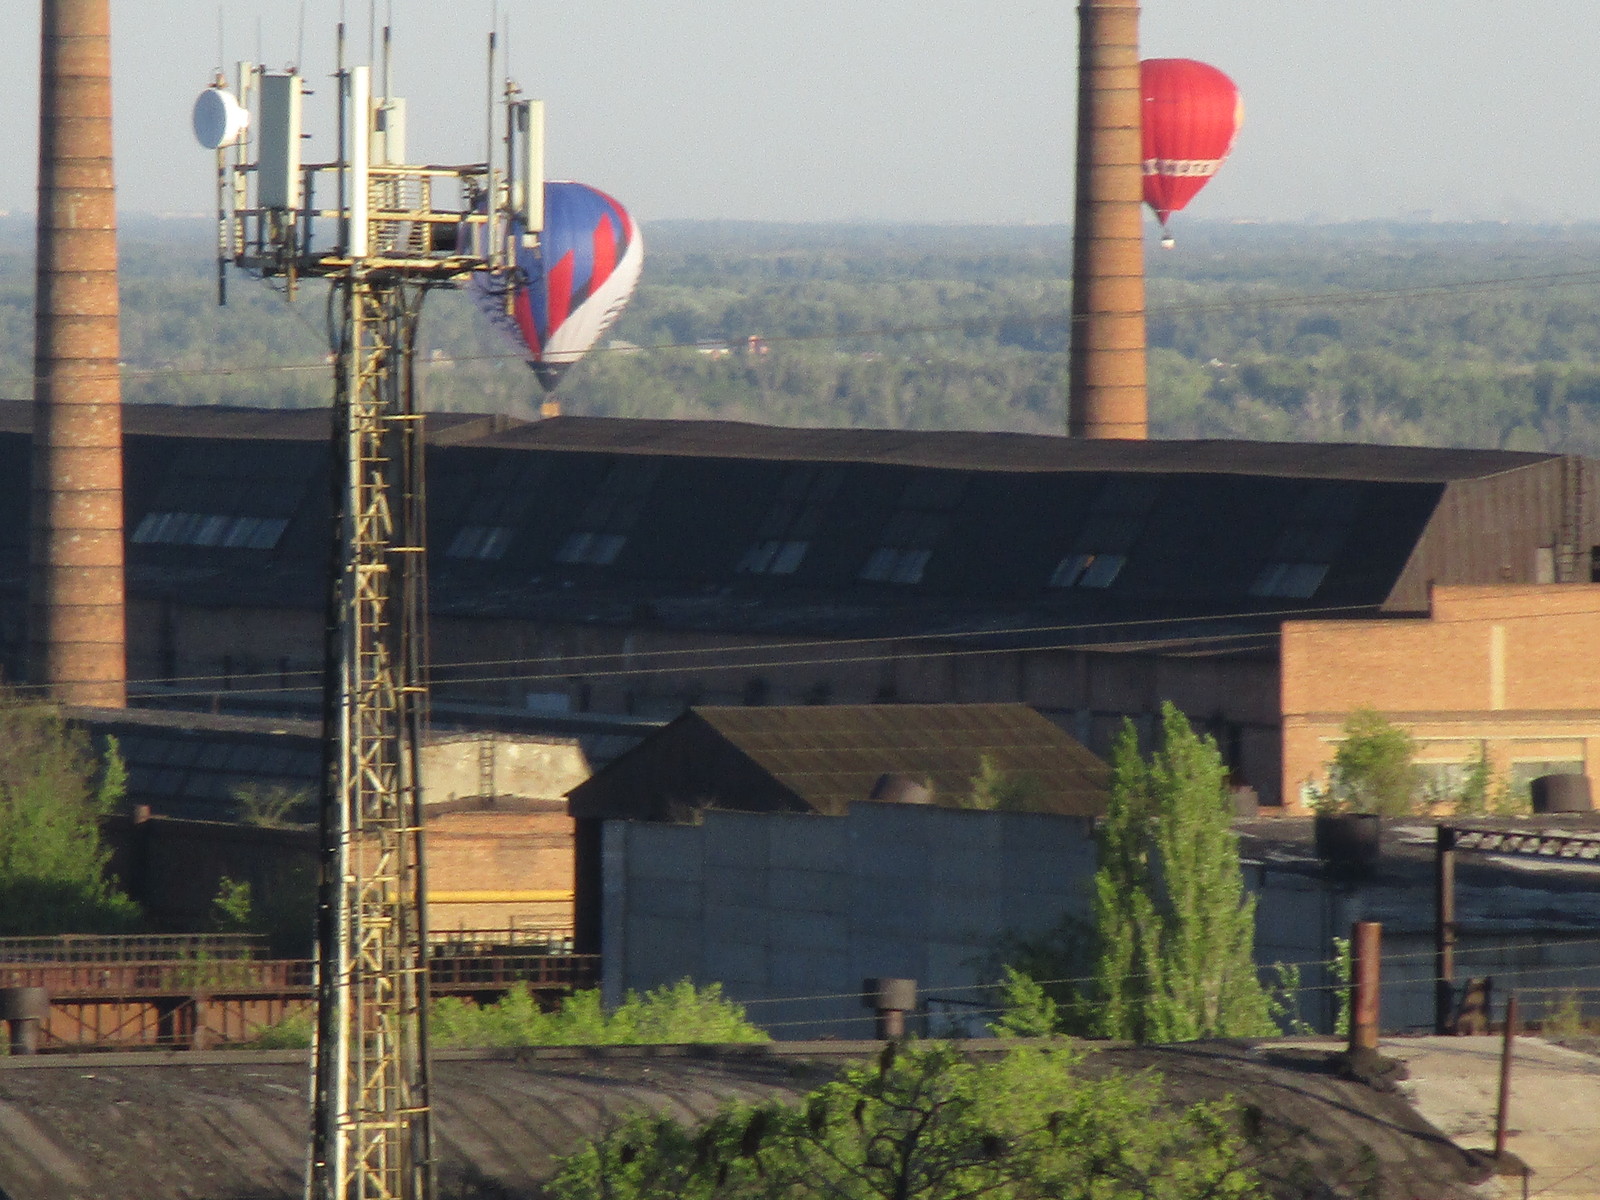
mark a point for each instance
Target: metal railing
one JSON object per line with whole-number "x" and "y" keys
{"x": 131, "y": 948}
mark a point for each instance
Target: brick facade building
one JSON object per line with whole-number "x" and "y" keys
{"x": 1509, "y": 672}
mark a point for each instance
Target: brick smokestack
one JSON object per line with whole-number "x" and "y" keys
{"x": 77, "y": 639}
{"x": 1106, "y": 377}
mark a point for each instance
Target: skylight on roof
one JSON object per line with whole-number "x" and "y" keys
{"x": 486, "y": 543}
{"x": 1289, "y": 580}
{"x": 591, "y": 549}
{"x": 1115, "y": 519}
{"x": 1088, "y": 570}
{"x": 773, "y": 558}
{"x": 611, "y": 514}
{"x": 791, "y": 524}
{"x": 913, "y": 530}
{"x": 209, "y": 529}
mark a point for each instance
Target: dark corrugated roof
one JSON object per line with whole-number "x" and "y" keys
{"x": 1012, "y": 451}
{"x": 911, "y": 533}
{"x": 291, "y": 424}
{"x": 234, "y": 1125}
{"x": 831, "y": 755}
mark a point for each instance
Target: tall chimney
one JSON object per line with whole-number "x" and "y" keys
{"x": 1106, "y": 376}
{"x": 77, "y": 635}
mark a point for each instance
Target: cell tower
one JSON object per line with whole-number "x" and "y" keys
{"x": 392, "y": 231}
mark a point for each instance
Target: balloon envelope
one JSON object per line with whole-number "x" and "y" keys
{"x": 569, "y": 289}
{"x": 1192, "y": 113}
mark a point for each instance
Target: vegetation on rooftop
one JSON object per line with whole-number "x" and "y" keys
{"x": 1372, "y": 771}
{"x": 675, "y": 1014}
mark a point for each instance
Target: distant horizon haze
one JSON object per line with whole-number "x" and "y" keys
{"x": 875, "y": 111}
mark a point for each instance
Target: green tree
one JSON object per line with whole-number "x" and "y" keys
{"x": 1372, "y": 770}
{"x": 998, "y": 790}
{"x": 1174, "y": 929}
{"x": 232, "y": 909}
{"x": 53, "y": 793}
{"x": 925, "y": 1123}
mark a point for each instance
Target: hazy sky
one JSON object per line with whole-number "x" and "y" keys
{"x": 921, "y": 110}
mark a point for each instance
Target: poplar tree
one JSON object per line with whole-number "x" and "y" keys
{"x": 1174, "y": 928}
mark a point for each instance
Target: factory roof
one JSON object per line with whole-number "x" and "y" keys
{"x": 822, "y": 758}
{"x": 734, "y": 528}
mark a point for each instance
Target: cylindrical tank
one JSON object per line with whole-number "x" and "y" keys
{"x": 1106, "y": 396}
{"x": 76, "y": 620}
{"x": 1348, "y": 843}
{"x": 900, "y": 789}
{"x": 24, "y": 1010}
{"x": 1562, "y": 794}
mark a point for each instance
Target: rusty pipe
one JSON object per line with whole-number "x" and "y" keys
{"x": 1366, "y": 940}
{"x": 77, "y": 624}
{"x": 1106, "y": 391}
{"x": 1503, "y": 1108}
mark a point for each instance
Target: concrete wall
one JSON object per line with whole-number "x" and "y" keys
{"x": 791, "y": 913}
{"x": 1512, "y": 671}
{"x": 500, "y": 764}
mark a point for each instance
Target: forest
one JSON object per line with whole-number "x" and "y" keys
{"x": 1438, "y": 334}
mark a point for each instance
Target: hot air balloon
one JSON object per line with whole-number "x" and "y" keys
{"x": 1192, "y": 113}
{"x": 569, "y": 289}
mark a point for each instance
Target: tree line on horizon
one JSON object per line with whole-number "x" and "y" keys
{"x": 1472, "y": 335}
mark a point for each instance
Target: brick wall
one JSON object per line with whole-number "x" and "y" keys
{"x": 1511, "y": 670}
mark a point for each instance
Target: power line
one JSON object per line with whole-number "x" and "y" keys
{"x": 579, "y": 665}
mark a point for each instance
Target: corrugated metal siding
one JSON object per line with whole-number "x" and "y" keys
{"x": 1488, "y": 531}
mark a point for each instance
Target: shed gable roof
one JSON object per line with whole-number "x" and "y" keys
{"x": 830, "y": 756}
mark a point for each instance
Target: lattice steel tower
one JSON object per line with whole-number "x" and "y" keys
{"x": 394, "y": 232}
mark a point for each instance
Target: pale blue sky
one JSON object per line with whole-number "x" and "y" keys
{"x": 921, "y": 110}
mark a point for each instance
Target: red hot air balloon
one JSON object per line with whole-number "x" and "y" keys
{"x": 1192, "y": 113}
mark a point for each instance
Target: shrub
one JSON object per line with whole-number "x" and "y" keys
{"x": 924, "y": 1123}
{"x": 1372, "y": 770}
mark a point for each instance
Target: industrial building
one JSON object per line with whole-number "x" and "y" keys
{"x": 634, "y": 569}
{"x": 215, "y": 796}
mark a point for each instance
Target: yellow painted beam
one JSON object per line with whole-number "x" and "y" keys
{"x": 531, "y": 896}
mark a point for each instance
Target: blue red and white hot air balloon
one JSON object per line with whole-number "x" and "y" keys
{"x": 571, "y": 287}
{"x": 1191, "y": 114}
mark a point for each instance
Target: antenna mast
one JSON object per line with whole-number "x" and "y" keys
{"x": 397, "y": 230}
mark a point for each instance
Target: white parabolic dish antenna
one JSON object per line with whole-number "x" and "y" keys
{"x": 219, "y": 119}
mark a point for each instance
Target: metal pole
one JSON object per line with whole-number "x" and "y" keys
{"x": 373, "y": 1124}
{"x": 1505, "y": 1076}
{"x": 1444, "y": 927}
{"x": 1365, "y": 945}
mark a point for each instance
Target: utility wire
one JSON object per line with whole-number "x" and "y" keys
{"x": 577, "y": 665}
